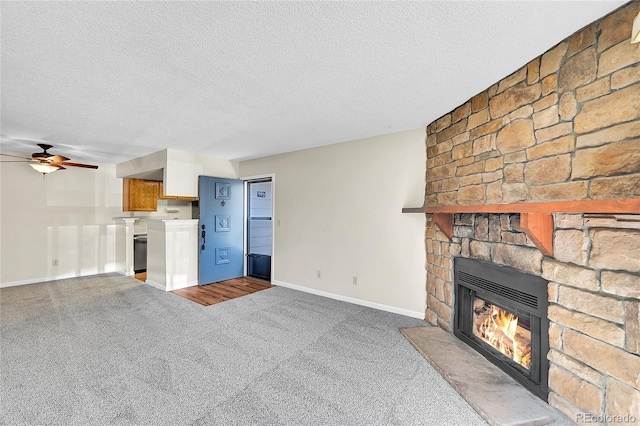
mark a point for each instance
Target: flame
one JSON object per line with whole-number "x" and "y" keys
{"x": 500, "y": 329}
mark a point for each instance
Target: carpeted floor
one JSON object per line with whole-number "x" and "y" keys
{"x": 111, "y": 350}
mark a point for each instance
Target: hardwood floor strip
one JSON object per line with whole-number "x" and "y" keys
{"x": 141, "y": 276}
{"x": 203, "y": 298}
{"x": 229, "y": 287}
{"x": 252, "y": 284}
{"x": 222, "y": 293}
{"x": 244, "y": 286}
{"x": 253, "y": 289}
{"x": 211, "y": 294}
{"x": 243, "y": 289}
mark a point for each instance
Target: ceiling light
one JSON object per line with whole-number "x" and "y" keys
{"x": 635, "y": 32}
{"x": 43, "y": 168}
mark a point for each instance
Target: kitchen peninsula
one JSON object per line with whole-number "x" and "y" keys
{"x": 172, "y": 251}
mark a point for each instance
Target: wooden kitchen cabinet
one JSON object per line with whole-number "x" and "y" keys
{"x": 139, "y": 195}
{"x": 161, "y": 195}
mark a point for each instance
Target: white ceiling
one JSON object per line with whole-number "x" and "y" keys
{"x": 111, "y": 81}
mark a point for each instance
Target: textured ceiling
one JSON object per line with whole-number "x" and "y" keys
{"x": 110, "y": 81}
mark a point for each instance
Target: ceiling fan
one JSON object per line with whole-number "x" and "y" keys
{"x": 45, "y": 163}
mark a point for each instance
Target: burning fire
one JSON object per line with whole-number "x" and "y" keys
{"x": 501, "y": 330}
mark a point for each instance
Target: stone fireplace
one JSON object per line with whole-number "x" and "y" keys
{"x": 564, "y": 127}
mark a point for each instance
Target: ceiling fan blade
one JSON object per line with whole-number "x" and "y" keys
{"x": 16, "y": 156}
{"x": 57, "y": 159}
{"x": 85, "y": 166}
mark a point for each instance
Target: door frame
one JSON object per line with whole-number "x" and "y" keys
{"x": 246, "y": 180}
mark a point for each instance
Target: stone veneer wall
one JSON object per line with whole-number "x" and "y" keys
{"x": 566, "y": 126}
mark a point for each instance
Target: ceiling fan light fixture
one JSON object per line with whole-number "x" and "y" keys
{"x": 43, "y": 168}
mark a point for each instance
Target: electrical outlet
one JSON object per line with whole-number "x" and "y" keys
{"x": 318, "y": 274}
{"x": 54, "y": 262}
{"x": 355, "y": 280}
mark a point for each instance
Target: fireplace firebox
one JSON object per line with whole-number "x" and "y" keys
{"x": 502, "y": 313}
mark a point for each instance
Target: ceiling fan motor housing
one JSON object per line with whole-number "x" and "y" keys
{"x": 44, "y": 154}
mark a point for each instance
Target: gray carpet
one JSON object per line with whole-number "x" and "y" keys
{"x": 111, "y": 350}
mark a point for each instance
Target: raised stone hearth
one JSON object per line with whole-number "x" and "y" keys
{"x": 564, "y": 127}
{"x": 498, "y": 398}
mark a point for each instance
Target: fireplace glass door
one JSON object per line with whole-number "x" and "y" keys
{"x": 504, "y": 331}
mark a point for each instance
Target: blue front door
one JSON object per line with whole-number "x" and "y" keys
{"x": 220, "y": 229}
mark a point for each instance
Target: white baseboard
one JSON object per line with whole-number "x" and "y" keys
{"x": 368, "y": 304}
{"x": 37, "y": 280}
{"x": 51, "y": 278}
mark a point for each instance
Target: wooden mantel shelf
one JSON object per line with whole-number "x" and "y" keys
{"x": 622, "y": 205}
{"x": 536, "y": 219}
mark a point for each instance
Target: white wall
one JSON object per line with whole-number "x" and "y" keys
{"x": 338, "y": 210}
{"x": 67, "y": 216}
{"x": 138, "y": 167}
{"x": 212, "y": 166}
